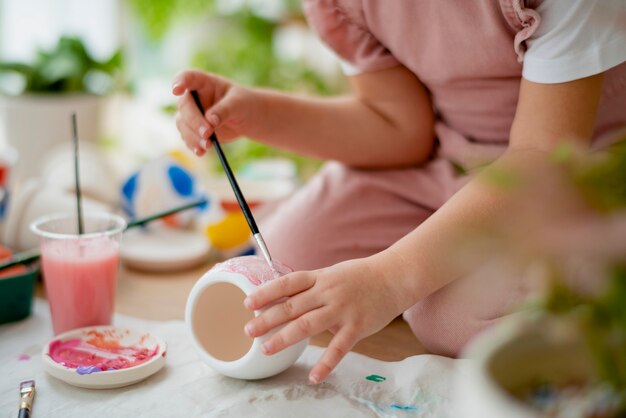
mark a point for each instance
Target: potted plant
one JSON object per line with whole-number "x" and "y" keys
{"x": 564, "y": 355}
{"x": 58, "y": 82}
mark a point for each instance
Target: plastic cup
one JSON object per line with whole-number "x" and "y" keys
{"x": 80, "y": 271}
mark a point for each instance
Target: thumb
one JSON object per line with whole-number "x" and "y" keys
{"x": 221, "y": 111}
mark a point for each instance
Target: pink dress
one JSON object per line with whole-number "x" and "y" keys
{"x": 469, "y": 54}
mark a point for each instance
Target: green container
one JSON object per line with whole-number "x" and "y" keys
{"x": 16, "y": 294}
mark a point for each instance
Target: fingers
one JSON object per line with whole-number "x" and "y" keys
{"x": 339, "y": 346}
{"x": 280, "y": 313}
{"x": 297, "y": 330}
{"x": 221, "y": 109}
{"x": 222, "y": 102}
{"x": 284, "y": 286}
{"x": 198, "y": 127}
{"x": 190, "y": 80}
{"x": 191, "y": 138}
{"x": 189, "y": 113}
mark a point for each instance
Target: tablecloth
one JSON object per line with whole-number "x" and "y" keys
{"x": 419, "y": 386}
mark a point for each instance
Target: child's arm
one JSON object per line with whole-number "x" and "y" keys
{"x": 388, "y": 122}
{"x": 357, "y": 298}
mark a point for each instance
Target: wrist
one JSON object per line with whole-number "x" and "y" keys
{"x": 258, "y": 110}
{"x": 390, "y": 267}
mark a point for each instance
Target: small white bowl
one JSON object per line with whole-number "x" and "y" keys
{"x": 110, "y": 378}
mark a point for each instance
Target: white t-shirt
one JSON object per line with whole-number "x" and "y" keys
{"x": 576, "y": 39}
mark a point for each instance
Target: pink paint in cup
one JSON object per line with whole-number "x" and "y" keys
{"x": 80, "y": 271}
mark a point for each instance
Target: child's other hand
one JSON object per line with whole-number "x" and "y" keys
{"x": 351, "y": 299}
{"x": 227, "y": 109}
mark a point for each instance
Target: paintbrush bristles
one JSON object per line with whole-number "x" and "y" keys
{"x": 27, "y": 384}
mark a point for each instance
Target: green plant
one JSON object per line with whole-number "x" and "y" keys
{"x": 67, "y": 68}
{"x": 600, "y": 319}
{"x": 603, "y": 181}
{"x": 567, "y": 226}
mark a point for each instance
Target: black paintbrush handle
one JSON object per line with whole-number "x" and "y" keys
{"x": 22, "y": 258}
{"x": 159, "y": 215}
{"x": 79, "y": 199}
{"x": 229, "y": 173}
{"x": 23, "y": 413}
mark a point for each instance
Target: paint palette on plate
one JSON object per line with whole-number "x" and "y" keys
{"x": 104, "y": 357}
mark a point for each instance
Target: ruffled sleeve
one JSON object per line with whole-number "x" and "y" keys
{"x": 342, "y": 26}
{"x": 564, "y": 40}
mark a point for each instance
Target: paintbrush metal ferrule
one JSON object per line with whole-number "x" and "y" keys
{"x": 27, "y": 395}
{"x": 260, "y": 242}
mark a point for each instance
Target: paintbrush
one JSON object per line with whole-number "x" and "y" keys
{"x": 79, "y": 199}
{"x": 247, "y": 213}
{"x": 27, "y": 395}
{"x": 29, "y": 256}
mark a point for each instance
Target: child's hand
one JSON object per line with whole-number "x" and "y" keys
{"x": 351, "y": 299}
{"x": 227, "y": 107}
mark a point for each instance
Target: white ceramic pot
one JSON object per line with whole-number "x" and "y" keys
{"x": 215, "y": 317}
{"x": 35, "y": 123}
{"x": 33, "y": 200}
{"x": 514, "y": 356}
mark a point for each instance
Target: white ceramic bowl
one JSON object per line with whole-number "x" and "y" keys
{"x": 215, "y": 317}
{"x": 111, "y": 378}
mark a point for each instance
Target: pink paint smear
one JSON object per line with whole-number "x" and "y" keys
{"x": 254, "y": 268}
{"x": 98, "y": 353}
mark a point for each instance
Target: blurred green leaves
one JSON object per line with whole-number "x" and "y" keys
{"x": 67, "y": 68}
{"x": 602, "y": 323}
{"x": 242, "y": 49}
{"x": 157, "y": 16}
{"x": 601, "y": 179}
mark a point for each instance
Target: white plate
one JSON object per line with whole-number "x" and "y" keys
{"x": 110, "y": 378}
{"x": 162, "y": 249}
